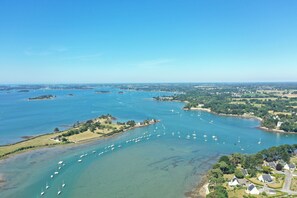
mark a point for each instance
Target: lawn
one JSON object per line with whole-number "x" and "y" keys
{"x": 294, "y": 160}
{"x": 294, "y": 184}
{"x": 255, "y": 181}
{"x": 237, "y": 192}
{"x": 228, "y": 177}
{"x": 83, "y": 136}
{"x": 278, "y": 181}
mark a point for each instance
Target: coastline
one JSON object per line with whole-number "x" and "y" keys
{"x": 240, "y": 116}
{"x": 223, "y": 114}
{"x": 201, "y": 190}
{"x": 58, "y": 143}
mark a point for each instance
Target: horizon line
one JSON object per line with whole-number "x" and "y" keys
{"x": 94, "y": 83}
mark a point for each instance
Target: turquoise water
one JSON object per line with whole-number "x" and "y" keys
{"x": 167, "y": 162}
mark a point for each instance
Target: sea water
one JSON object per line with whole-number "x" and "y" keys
{"x": 169, "y": 160}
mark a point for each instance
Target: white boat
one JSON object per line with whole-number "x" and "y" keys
{"x": 63, "y": 185}
{"x": 59, "y": 192}
{"x": 46, "y": 186}
{"x": 158, "y": 135}
{"x": 79, "y": 160}
{"x": 42, "y": 193}
{"x": 52, "y": 176}
{"x": 60, "y": 162}
{"x": 205, "y": 136}
{"x": 259, "y": 141}
{"x": 56, "y": 173}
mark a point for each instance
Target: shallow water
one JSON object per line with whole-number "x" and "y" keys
{"x": 168, "y": 164}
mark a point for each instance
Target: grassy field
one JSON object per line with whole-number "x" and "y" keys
{"x": 39, "y": 141}
{"x": 236, "y": 192}
{"x": 278, "y": 182}
{"x": 257, "y": 105}
{"x": 281, "y": 113}
{"x": 270, "y": 98}
{"x": 294, "y": 159}
{"x": 237, "y": 102}
{"x": 84, "y": 136}
{"x": 294, "y": 184}
{"x": 256, "y": 181}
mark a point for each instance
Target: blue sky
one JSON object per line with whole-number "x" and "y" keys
{"x": 109, "y": 41}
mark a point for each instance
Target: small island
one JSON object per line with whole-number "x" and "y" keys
{"x": 270, "y": 172}
{"x": 23, "y": 91}
{"x": 101, "y": 127}
{"x": 103, "y": 92}
{"x": 42, "y": 97}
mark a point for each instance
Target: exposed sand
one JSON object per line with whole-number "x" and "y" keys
{"x": 2, "y": 180}
{"x": 201, "y": 190}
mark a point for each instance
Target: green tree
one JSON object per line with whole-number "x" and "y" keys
{"x": 238, "y": 173}
{"x": 266, "y": 169}
{"x": 218, "y": 192}
{"x": 279, "y": 167}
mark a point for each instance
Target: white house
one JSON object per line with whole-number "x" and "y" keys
{"x": 252, "y": 189}
{"x": 266, "y": 178}
{"x": 290, "y": 167}
{"x": 233, "y": 182}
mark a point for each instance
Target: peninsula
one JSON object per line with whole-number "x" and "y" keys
{"x": 94, "y": 129}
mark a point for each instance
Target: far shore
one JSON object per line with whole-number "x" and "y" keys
{"x": 223, "y": 114}
{"x": 240, "y": 116}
